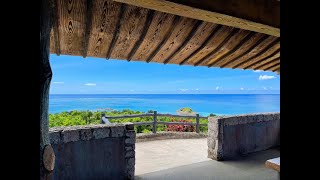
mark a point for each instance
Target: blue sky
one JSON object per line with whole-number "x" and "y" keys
{"x": 77, "y": 75}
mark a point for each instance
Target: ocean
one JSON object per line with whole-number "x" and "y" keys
{"x": 204, "y": 104}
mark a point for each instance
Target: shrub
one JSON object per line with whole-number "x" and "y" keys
{"x": 180, "y": 128}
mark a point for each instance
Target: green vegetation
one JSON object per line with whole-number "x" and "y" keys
{"x": 74, "y": 118}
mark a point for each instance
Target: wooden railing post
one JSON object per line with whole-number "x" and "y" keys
{"x": 154, "y": 128}
{"x": 101, "y": 121}
{"x": 197, "y": 125}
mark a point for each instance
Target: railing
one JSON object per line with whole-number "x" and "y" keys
{"x": 154, "y": 123}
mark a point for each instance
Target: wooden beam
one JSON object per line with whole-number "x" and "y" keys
{"x": 186, "y": 41}
{"x": 204, "y": 15}
{"x": 143, "y": 34}
{"x": 165, "y": 39}
{"x": 203, "y": 45}
{"x": 117, "y": 30}
{"x": 233, "y": 33}
{"x": 88, "y": 28}
{"x": 55, "y": 28}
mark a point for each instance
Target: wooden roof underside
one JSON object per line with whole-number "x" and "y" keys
{"x": 114, "y": 30}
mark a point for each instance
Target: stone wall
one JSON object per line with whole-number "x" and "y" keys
{"x": 229, "y": 137}
{"x": 94, "y": 152}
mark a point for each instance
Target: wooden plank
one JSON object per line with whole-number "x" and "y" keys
{"x": 185, "y": 42}
{"x": 130, "y": 30}
{"x": 158, "y": 30}
{"x": 218, "y": 37}
{"x": 267, "y": 63}
{"x": 143, "y": 34}
{"x": 273, "y": 164}
{"x": 72, "y": 25}
{"x": 128, "y": 116}
{"x": 181, "y": 116}
{"x": 272, "y": 66}
{"x": 104, "y": 24}
{"x": 55, "y": 29}
{"x": 165, "y": 39}
{"x": 233, "y": 34}
{"x": 257, "y": 52}
{"x": 180, "y": 32}
{"x": 88, "y": 28}
{"x": 203, "y": 45}
{"x": 241, "y": 49}
{"x": 142, "y": 123}
{"x": 201, "y": 35}
{"x": 245, "y": 52}
{"x": 229, "y": 47}
{"x": 271, "y": 53}
{"x": 117, "y": 30}
{"x": 204, "y": 15}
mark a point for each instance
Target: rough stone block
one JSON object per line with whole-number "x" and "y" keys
{"x": 129, "y": 154}
{"x": 130, "y": 141}
{"x": 54, "y": 137}
{"x": 99, "y": 133}
{"x": 129, "y": 126}
{"x": 86, "y": 134}
{"x": 131, "y": 134}
{"x": 70, "y": 135}
{"x": 130, "y": 148}
{"x": 117, "y": 131}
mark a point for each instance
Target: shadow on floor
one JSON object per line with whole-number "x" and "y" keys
{"x": 246, "y": 168}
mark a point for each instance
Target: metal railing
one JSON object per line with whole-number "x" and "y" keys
{"x": 104, "y": 119}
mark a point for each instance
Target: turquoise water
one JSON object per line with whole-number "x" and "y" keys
{"x": 204, "y": 104}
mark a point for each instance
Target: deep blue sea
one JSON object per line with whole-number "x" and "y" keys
{"x": 204, "y": 104}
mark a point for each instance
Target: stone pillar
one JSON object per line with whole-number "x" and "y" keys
{"x": 215, "y": 138}
{"x": 47, "y": 157}
{"x": 130, "y": 140}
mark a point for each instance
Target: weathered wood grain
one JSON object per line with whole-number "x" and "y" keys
{"x": 72, "y": 17}
{"x": 159, "y": 28}
{"x": 267, "y": 63}
{"x": 204, "y": 15}
{"x": 256, "y": 52}
{"x": 222, "y": 34}
{"x": 231, "y": 47}
{"x": 129, "y": 31}
{"x": 108, "y": 29}
{"x": 104, "y": 22}
{"x": 200, "y": 36}
{"x": 241, "y": 49}
{"x": 143, "y": 34}
{"x": 176, "y": 39}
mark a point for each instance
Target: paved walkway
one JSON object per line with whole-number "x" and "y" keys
{"x": 187, "y": 159}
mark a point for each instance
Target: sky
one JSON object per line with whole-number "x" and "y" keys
{"x": 78, "y": 75}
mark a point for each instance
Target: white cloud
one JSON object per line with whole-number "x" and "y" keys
{"x": 90, "y": 84}
{"x": 264, "y": 88}
{"x": 266, "y": 77}
{"x": 197, "y": 89}
{"x": 183, "y": 89}
{"x": 58, "y": 82}
{"x": 241, "y": 89}
{"x": 257, "y": 71}
{"x": 131, "y": 90}
{"x": 217, "y": 88}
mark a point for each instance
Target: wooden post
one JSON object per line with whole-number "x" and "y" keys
{"x": 154, "y": 128}
{"x": 101, "y": 121}
{"x": 47, "y": 157}
{"x": 197, "y": 125}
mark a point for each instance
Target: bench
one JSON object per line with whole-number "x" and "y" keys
{"x": 273, "y": 164}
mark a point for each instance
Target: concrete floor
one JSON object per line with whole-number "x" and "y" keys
{"x": 187, "y": 159}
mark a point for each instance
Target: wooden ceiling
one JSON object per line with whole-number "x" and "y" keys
{"x": 114, "y": 30}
